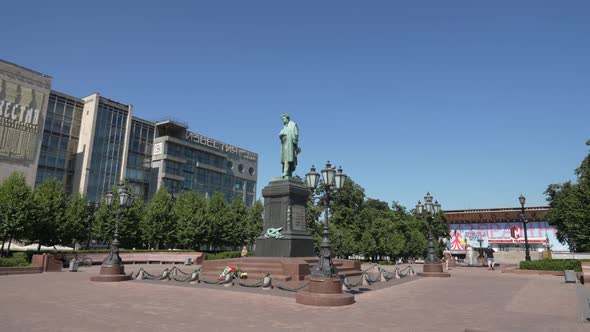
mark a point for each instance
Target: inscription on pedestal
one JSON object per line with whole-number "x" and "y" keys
{"x": 275, "y": 214}
{"x": 299, "y": 222}
{"x": 285, "y": 202}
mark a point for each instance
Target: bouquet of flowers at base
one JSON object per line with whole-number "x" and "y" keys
{"x": 234, "y": 270}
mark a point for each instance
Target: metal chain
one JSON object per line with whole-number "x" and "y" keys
{"x": 195, "y": 276}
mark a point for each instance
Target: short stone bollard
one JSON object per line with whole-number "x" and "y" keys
{"x": 73, "y": 265}
{"x": 188, "y": 261}
{"x": 570, "y": 276}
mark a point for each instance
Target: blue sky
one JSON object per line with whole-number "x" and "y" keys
{"x": 476, "y": 102}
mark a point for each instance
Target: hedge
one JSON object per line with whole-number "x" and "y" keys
{"x": 552, "y": 265}
{"x": 28, "y": 255}
{"x": 17, "y": 259}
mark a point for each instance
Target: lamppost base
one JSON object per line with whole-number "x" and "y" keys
{"x": 324, "y": 292}
{"x": 433, "y": 270}
{"x": 112, "y": 273}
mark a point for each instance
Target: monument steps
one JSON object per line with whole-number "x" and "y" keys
{"x": 252, "y": 276}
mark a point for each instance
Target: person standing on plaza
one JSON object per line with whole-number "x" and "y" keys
{"x": 447, "y": 256}
{"x": 490, "y": 256}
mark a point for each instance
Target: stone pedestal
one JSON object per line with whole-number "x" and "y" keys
{"x": 433, "y": 270}
{"x": 325, "y": 292}
{"x": 284, "y": 207}
{"x": 111, "y": 274}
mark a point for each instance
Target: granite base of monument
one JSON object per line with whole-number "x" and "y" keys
{"x": 285, "y": 225}
{"x": 112, "y": 273}
{"x": 324, "y": 292}
{"x": 280, "y": 268}
{"x": 433, "y": 270}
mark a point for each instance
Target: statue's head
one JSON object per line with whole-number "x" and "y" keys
{"x": 286, "y": 118}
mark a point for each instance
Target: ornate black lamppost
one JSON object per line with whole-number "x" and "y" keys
{"x": 432, "y": 264}
{"x": 332, "y": 179}
{"x": 325, "y": 287}
{"x": 522, "y": 200}
{"x": 480, "y": 247}
{"x": 112, "y": 268}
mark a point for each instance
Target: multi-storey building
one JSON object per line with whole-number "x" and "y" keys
{"x": 93, "y": 143}
{"x": 188, "y": 161}
{"x": 60, "y": 140}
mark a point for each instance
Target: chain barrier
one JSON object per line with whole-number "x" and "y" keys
{"x": 144, "y": 275}
{"x": 382, "y": 275}
{"x": 288, "y": 289}
{"x": 268, "y": 282}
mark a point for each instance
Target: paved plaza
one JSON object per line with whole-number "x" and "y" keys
{"x": 473, "y": 299}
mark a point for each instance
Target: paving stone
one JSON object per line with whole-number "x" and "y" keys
{"x": 471, "y": 300}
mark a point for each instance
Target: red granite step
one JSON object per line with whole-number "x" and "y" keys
{"x": 252, "y": 276}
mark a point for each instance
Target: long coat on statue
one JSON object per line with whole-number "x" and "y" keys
{"x": 289, "y": 136}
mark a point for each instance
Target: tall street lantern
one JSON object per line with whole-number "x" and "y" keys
{"x": 432, "y": 265}
{"x": 112, "y": 268}
{"x": 325, "y": 287}
{"x": 522, "y": 200}
{"x": 332, "y": 179}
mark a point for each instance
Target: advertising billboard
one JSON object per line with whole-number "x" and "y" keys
{"x": 20, "y": 120}
{"x": 503, "y": 233}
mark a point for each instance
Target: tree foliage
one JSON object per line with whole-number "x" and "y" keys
{"x": 190, "y": 211}
{"x": 75, "y": 229}
{"x": 253, "y": 223}
{"x": 369, "y": 227}
{"x": 219, "y": 219}
{"x": 158, "y": 225}
{"x": 49, "y": 222}
{"x": 15, "y": 208}
{"x": 130, "y": 222}
{"x": 236, "y": 232}
{"x": 570, "y": 208}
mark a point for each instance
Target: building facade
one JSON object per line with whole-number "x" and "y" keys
{"x": 93, "y": 143}
{"x": 23, "y": 107}
{"x": 501, "y": 228}
{"x": 185, "y": 160}
{"x": 61, "y": 135}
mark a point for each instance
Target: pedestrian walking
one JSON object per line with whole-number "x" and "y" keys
{"x": 447, "y": 256}
{"x": 490, "y": 256}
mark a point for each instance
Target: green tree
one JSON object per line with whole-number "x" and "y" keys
{"x": 158, "y": 226}
{"x": 75, "y": 229}
{"x": 236, "y": 230}
{"x": 416, "y": 244}
{"x": 130, "y": 224}
{"x": 219, "y": 219}
{"x": 130, "y": 219}
{"x": 190, "y": 211}
{"x": 570, "y": 208}
{"x": 49, "y": 221}
{"x": 15, "y": 208}
{"x": 253, "y": 223}
{"x": 103, "y": 226}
